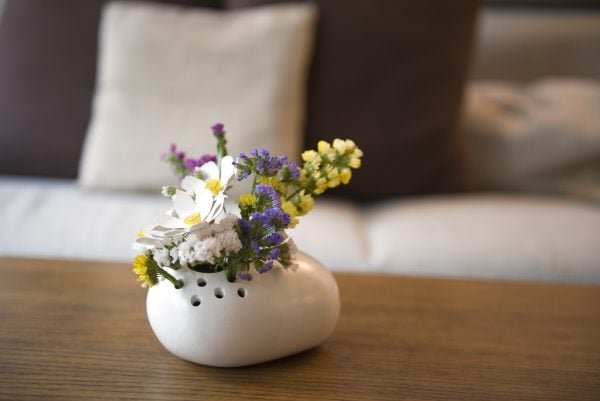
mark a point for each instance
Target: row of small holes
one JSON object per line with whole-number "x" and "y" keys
{"x": 218, "y": 293}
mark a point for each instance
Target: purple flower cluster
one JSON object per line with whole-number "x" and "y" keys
{"x": 271, "y": 218}
{"x": 266, "y": 195}
{"x": 173, "y": 153}
{"x": 261, "y": 236}
{"x": 294, "y": 170}
{"x": 191, "y": 164}
{"x": 218, "y": 130}
{"x": 181, "y": 165}
{"x": 260, "y": 162}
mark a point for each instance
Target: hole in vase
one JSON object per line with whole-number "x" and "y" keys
{"x": 201, "y": 282}
{"x": 241, "y": 292}
{"x": 219, "y": 293}
{"x": 195, "y": 301}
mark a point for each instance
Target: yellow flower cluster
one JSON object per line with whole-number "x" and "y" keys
{"x": 299, "y": 205}
{"x": 330, "y": 165}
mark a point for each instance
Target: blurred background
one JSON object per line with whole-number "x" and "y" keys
{"x": 480, "y": 123}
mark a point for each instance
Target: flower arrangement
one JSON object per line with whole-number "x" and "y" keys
{"x": 198, "y": 233}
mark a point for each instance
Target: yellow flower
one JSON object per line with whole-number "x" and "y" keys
{"x": 354, "y": 162}
{"x": 141, "y": 263}
{"x": 290, "y": 209}
{"x": 345, "y": 175}
{"x": 333, "y": 177}
{"x": 306, "y": 203}
{"x": 275, "y": 183}
{"x": 321, "y": 186}
{"x": 323, "y": 147}
{"x": 247, "y": 200}
{"x": 339, "y": 145}
{"x": 311, "y": 156}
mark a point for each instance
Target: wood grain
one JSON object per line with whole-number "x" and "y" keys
{"x": 76, "y": 330}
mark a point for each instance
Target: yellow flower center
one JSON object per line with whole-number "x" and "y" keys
{"x": 193, "y": 219}
{"x": 247, "y": 200}
{"x": 214, "y": 186}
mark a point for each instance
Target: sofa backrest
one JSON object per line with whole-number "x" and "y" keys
{"x": 388, "y": 74}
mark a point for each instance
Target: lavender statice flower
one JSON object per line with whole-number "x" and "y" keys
{"x": 274, "y": 239}
{"x": 273, "y": 217}
{"x": 260, "y": 162}
{"x": 266, "y": 267}
{"x": 244, "y": 226}
{"x": 274, "y": 254}
{"x": 255, "y": 246}
{"x": 218, "y": 130}
{"x": 244, "y": 276}
{"x": 294, "y": 170}
{"x": 191, "y": 164}
{"x": 267, "y": 194}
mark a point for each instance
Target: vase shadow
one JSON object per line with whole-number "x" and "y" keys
{"x": 288, "y": 362}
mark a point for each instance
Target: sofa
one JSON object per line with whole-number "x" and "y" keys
{"x": 426, "y": 203}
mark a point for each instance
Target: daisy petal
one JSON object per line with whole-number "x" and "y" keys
{"x": 192, "y": 184}
{"x": 204, "y": 203}
{"x": 209, "y": 171}
{"x": 184, "y": 205}
{"x": 227, "y": 169}
{"x": 167, "y": 221}
{"x": 217, "y": 207}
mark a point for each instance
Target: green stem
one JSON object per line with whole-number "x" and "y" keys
{"x": 296, "y": 192}
{"x": 221, "y": 150}
{"x": 176, "y": 283}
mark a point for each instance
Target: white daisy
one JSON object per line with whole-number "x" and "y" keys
{"x": 189, "y": 211}
{"x": 211, "y": 177}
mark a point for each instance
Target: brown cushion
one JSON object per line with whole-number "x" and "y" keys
{"x": 47, "y": 73}
{"x": 390, "y": 74}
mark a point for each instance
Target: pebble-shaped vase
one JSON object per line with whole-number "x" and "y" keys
{"x": 213, "y": 322}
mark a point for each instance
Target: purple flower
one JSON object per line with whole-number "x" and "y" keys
{"x": 181, "y": 155}
{"x": 244, "y": 226}
{"x": 294, "y": 170}
{"x": 266, "y": 267}
{"x": 274, "y": 239}
{"x": 190, "y": 164}
{"x": 173, "y": 148}
{"x": 205, "y": 159}
{"x": 267, "y": 192}
{"x": 255, "y": 247}
{"x": 262, "y": 219}
{"x": 274, "y": 254}
{"x": 218, "y": 130}
{"x": 244, "y": 276}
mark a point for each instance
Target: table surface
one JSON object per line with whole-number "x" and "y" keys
{"x": 75, "y": 330}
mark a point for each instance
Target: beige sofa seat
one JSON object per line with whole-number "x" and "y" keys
{"x": 477, "y": 236}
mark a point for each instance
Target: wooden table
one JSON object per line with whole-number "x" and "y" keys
{"x": 74, "y": 330}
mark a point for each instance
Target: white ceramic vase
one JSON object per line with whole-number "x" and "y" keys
{"x": 214, "y": 322}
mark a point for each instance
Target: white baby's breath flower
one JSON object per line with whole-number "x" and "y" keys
{"x": 209, "y": 244}
{"x": 162, "y": 257}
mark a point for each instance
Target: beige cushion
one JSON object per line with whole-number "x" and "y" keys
{"x": 525, "y": 43}
{"x": 167, "y": 73}
{"x": 487, "y": 236}
{"x": 518, "y": 135}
